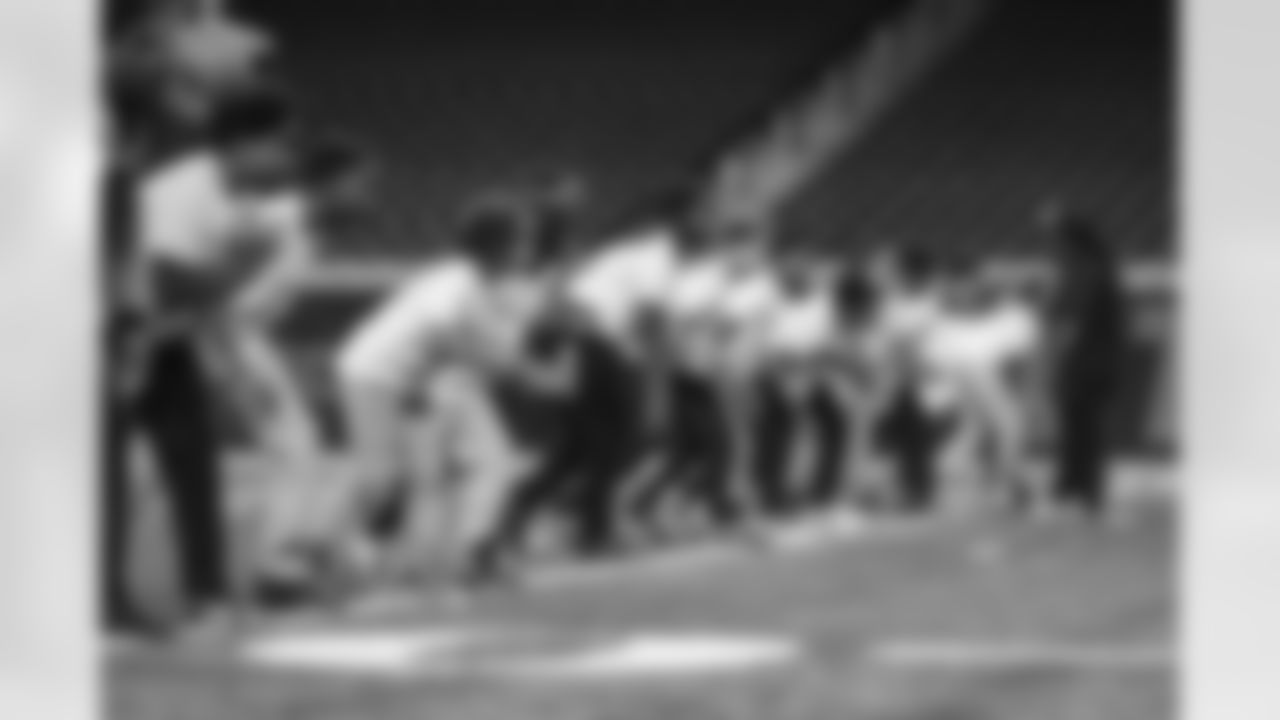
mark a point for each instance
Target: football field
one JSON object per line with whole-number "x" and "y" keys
{"x": 980, "y": 619}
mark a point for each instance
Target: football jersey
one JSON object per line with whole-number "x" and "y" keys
{"x": 748, "y": 308}
{"x": 623, "y": 280}
{"x": 695, "y": 308}
{"x": 804, "y": 326}
{"x": 972, "y": 348}
{"x": 207, "y": 241}
{"x": 506, "y": 315}
{"x": 410, "y": 331}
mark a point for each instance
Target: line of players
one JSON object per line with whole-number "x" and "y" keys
{"x": 682, "y": 358}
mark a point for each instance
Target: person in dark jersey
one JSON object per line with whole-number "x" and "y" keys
{"x": 1090, "y": 330}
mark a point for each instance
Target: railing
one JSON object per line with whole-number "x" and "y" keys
{"x": 755, "y": 176}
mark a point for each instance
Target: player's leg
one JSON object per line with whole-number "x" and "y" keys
{"x": 1081, "y": 468}
{"x": 853, "y": 398}
{"x": 547, "y": 486}
{"x": 287, "y": 431}
{"x": 965, "y": 439}
{"x": 485, "y": 464}
{"x": 177, "y": 415}
{"x": 375, "y": 476}
{"x": 774, "y": 432}
{"x": 829, "y": 424}
{"x": 1008, "y": 426}
{"x": 909, "y": 435}
{"x": 739, "y": 407}
{"x": 702, "y": 467}
{"x": 115, "y": 496}
{"x": 660, "y": 449}
{"x": 604, "y": 427}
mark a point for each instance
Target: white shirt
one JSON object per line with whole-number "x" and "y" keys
{"x": 962, "y": 349}
{"x": 905, "y": 319}
{"x": 508, "y": 311}
{"x": 748, "y": 307}
{"x": 404, "y": 335}
{"x": 700, "y": 290}
{"x": 695, "y": 307}
{"x": 624, "y": 279}
{"x": 189, "y": 217}
{"x": 804, "y": 326}
{"x": 747, "y": 300}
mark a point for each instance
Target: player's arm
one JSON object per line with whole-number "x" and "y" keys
{"x": 291, "y": 257}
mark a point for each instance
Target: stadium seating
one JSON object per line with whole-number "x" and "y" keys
{"x": 630, "y": 94}
{"x": 1056, "y": 98}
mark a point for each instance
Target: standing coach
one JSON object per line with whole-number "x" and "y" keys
{"x": 1089, "y": 317}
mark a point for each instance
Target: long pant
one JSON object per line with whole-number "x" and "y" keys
{"x": 116, "y": 419}
{"x": 775, "y": 434}
{"x": 175, "y": 413}
{"x": 831, "y": 436}
{"x": 849, "y": 397}
{"x": 687, "y": 454}
{"x": 115, "y": 518}
{"x": 739, "y": 403}
{"x": 1085, "y": 404}
{"x": 283, "y": 429}
{"x": 698, "y": 447}
{"x": 408, "y": 495}
{"x": 912, "y": 434}
{"x": 594, "y": 443}
{"x": 1001, "y": 410}
{"x": 802, "y": 438}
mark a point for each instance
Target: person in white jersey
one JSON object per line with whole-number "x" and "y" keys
{"x": 909, "y": 303}
{"x": 702, "y": 455}
{"x": 750, "y": 308}
{"x": 974, "y": 363}
{"x": 215, "y": 225}
{"x": 861, "y": 381}
{"x": 420, "y": 356}
{"x": 296, "y": 508}
{"x": 801, "y": 432}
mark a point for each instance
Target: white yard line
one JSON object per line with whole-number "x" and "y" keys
{"x": 988, "y": 655}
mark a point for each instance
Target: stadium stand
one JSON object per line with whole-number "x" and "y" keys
{"x": 1017, "y": 115}
{"x": 629, "y": 94}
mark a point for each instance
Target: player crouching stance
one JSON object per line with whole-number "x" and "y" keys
{"x": 422, "y": 356}
{"x": 605, "y": 430}
{"x": 971, "y": 362}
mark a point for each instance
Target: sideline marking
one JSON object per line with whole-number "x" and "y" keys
{"x": 684, "y": 656}
{"x": 514, "y": 654}
{"x": 978, "y": 655}
{"x": 388, "y": 652}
